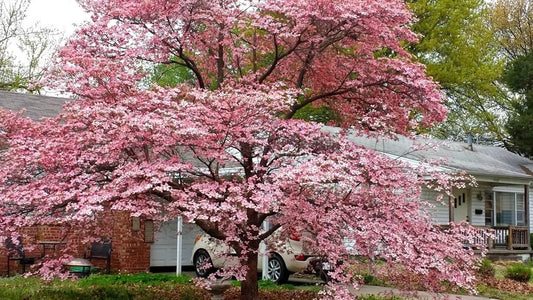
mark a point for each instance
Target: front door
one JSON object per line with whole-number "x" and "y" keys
{"x": 461, "y": 206}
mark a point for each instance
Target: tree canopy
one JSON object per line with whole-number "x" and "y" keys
{"x": 461, "y": 54}
{"x": 224, "y": 150}
{"x": 519, "y": 78}
{"x": 512, "y": 23}
{"x": 24, "y": 50}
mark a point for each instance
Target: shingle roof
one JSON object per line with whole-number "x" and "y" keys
{"x": 35, "y": 106}
{"x": 482, "y": 160}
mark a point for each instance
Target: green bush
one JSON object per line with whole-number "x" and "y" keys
{"x": 529, "y": 262}
{"x": 486, "y": 268}
{"x": 518, "y": 272}
{"x": 370, "y": 279}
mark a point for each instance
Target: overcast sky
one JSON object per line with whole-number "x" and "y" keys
{"x": 60, "y": 14}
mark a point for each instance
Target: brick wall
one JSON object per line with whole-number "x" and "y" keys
{"x": 130, "y": 254}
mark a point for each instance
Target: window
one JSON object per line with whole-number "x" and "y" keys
{"x": 509, "y": 207}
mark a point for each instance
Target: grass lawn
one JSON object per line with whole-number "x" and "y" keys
{"x": 508, "y": 289}
{"x": 165, "y": 286}
{"x": 144, "y": 286}
{"x": 138, "y": 286}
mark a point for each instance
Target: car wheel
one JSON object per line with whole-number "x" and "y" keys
{"x": 323, "y": 274}
{"x": 201, "y": 258}
{"x": 276, "y": 269}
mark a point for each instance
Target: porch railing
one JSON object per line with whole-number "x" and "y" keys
{"x": 510, "y": 237}
{"x": 507, "y": 237}
{"x": 484, "y": 238}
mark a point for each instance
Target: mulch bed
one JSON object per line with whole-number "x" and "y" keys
{"x": 235, "y": 294}
{"x": 506, "y": 284}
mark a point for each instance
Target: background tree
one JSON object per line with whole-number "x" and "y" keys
{"x": 519, "y": 78}
{"x": 24, "y": 50}
{"x": 224, "y": 150}
{"x": 460, "y": 53}
{"x": 512, "y": 22}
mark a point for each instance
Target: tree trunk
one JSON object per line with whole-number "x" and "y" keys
{"x": 249, "y": 290}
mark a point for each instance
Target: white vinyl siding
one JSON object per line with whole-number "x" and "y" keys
{"x": 441, "y": 210}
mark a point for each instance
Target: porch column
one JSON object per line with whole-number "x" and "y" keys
{"x": 264, "y": 273}
{"x": 450, "y": 208}
{"x": 179, "y": 243}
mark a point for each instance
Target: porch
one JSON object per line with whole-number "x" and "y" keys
{"x": 502, "y": 212}
{"x": 506, "y": 242}
{"x": 510, "y": 237}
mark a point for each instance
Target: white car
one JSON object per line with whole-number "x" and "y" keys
{"x": 291, "y": 259}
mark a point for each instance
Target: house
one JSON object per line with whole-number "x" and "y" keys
{"x": 501, "y": 199}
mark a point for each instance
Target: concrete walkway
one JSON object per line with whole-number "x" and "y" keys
{"x": 386, "y": 291}
{"x": 380, "y": 290}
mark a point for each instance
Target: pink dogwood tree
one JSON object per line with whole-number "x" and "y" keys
{"x": 224, "y": 150}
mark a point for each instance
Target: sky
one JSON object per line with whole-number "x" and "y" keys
{"x": 60, "y": 14}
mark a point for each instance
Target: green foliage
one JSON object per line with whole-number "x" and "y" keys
{"x": 170, "y": 75}
{"x": 486, "y": 268}
{"x": 512, "y": 21}
{"x": 370, "y": 279}
{"x": 518, "y": 272}
{"x": 321, "y": 114}
{"x": 529, "y": 262}
{"x": 461, "y": 54}
{"x": 518, "y": 76}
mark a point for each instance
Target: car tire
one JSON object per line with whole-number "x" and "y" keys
{"x": 277, "y": 271}
{"x": 324, "y": 276}
{"x": 201, "y": 257}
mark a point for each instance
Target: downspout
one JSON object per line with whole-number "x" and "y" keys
{"x": 526, "y": 214}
